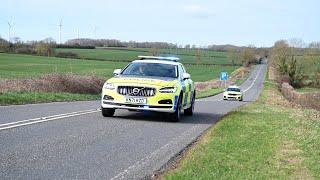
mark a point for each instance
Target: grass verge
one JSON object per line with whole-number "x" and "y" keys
{"x": 208, "y": 92}
{"x": 11, "y": 98}
{"x": 307, "y": 90}
{"x": 268, "y": 139}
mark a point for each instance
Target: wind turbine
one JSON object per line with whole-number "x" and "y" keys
{"x": 60, "y": 29}
{"x": 10, "y": 25}
{"x": 95, "y": 31}
{"x": 78, "y": 34}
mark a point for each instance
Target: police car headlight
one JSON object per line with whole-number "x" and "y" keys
{"x": 108, "y": 86}
{"x": 168, "y": 90}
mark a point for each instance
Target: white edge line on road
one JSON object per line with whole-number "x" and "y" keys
{"x": 255, "y": 79}
{"x": 144, "y": 160}
{"x": 45, "y": 117}
{"x": 51, "y": 119}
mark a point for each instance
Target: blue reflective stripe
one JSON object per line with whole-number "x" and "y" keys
{"x": 185, "y": 101}
{"x": 176, "y": 100}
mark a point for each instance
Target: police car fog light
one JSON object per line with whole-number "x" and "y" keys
{"x": 165, "y": 101}
{"x": 106, "y": 97}
{"x": 168, "y": 90}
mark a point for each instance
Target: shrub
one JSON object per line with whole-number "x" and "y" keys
{"x": 4, "y": 45}
{"x": 248, "y": 56}
{"x": 294, "y": 73}
{"x": 45, "y": 49}
{"x": 76, "y": 46}
{"x": 25, "y": 50}
{"x": 67, "y": 55}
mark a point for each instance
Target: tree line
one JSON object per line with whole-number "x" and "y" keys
{"x": 118, "y": 43}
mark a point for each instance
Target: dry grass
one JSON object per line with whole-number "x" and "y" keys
{"x": 69, "y": 83}
{"x": 238, "y": 74}
{"x": 308, "y": 100}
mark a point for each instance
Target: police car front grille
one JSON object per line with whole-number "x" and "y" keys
{"x": 136, "y": 91}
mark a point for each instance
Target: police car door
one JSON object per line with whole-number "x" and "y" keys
{"x": 186, "y": 87}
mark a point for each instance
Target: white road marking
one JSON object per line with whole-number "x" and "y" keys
{"x": 45, "y": 119}
{"x": 255, "y": 79}
{"x": 155, "y": 153}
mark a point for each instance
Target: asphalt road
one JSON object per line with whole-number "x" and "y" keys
{"x": 73, "y": 140}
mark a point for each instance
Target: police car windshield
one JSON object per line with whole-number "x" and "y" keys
{"x": 151, "y": 69}
{"x": 233, "y": 89}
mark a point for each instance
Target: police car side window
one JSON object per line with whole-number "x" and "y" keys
{"x": 181, "y": 71}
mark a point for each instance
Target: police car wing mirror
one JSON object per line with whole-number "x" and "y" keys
{"x": 117, "y": 72}
{"x": 186, "y": 76}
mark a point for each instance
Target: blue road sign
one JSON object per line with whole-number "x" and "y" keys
{"x": 224, "y": 76}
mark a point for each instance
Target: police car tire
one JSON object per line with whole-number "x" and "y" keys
{"x": 107, "y": 112}
{"x": 189, "y": 111}
{"x": 175, "y": 116}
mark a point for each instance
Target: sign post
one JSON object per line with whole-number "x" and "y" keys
{"x": 224, "y": 77}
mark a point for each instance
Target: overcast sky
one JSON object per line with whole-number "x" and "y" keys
{"x": 241, "y": 22}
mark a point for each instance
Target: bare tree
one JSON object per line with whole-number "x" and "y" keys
{"x": 198, "y": 56}
{"x": 313, "y": 62}
{"x": 280, "y": 54}
{"x": 248, "y": 55}
{"x": 283, "y": 58}
{"x": 154, "y": 51}
{"x": 233, "y": 56}
{"x": 44, "y": 49}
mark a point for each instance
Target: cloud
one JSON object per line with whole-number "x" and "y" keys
{"x": 196, "y": 11}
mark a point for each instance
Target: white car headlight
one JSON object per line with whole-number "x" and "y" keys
{"x": 168, "y": 90}
{"x": 108, "y": 86}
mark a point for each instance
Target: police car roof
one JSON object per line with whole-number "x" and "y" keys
{"x": 156, "y": 61}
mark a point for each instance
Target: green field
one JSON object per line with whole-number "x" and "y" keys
{"x": 267, "y": 139}
{"x": 129, "y": 54}
{"x": 18, "y": 66}
{"x": 308, "y": 67}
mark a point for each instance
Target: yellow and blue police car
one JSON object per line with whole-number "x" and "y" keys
{"x": 151, "y": 83}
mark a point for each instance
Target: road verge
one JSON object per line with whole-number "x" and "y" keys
{"x": 268, "y": 139}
